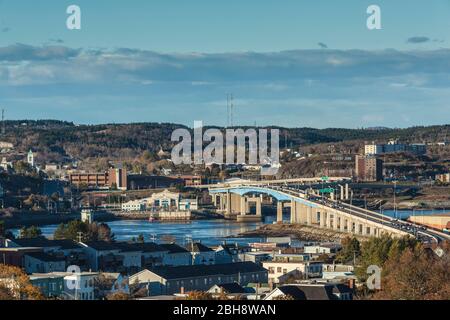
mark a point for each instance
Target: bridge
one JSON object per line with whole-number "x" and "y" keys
{"x": 235, "y": 200}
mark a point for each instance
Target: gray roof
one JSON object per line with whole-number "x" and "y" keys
{"x": 207, "y": 270}
{"x": 314, "y": 292}
{"x": 42, "y": 242}
{"x": 231, "y": 287}
{"x": 173, "y": 248}
{"x": 198, "y": 247}
{"x": 45, "y": 257}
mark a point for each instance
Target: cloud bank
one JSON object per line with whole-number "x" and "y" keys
{"x": 313, "y": 87}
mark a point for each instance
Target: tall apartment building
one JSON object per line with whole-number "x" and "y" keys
{"x": 117, "y": 178}
{"x": 368, "y": 168}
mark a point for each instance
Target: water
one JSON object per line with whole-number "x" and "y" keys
{"x": 405, "y": 214}
{"x": 209, "y": 232}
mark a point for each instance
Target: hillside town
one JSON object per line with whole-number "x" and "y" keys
{"x": 297, "y": 256}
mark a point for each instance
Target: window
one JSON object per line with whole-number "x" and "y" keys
{"x": 279, "y": 270}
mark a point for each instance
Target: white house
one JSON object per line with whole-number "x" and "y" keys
{"x": 80, "y": 286}
{"x": 135, "y": 205}
{"x": 327, "y": 248}
{"x": 278, "y": 269}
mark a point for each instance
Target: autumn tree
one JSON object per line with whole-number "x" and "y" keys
{"x": 118, "y": 296}
{"x": 416, "y": 274}
{"x": 15, "y": 285}
{"x": 199, "y": 295}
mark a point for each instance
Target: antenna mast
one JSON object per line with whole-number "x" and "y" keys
{"x": 3, "y": 122}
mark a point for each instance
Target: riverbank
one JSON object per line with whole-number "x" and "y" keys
{"x": 43, "y": 219}
{"x": 297, "y": 231}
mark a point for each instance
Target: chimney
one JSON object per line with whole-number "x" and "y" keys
{"x": 182, "y": 290}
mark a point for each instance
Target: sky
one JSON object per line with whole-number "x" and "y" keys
{"x": 290, "y": 63}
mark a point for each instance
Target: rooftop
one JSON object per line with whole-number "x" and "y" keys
{"x": 173, "y": 248}
{"x": 42, "y": 256}
{"x": 207, "y": 270}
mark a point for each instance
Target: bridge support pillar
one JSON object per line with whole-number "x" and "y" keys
{"x": 328, "y": 220}
{"x": 349, "y": 225}
{"x": 335, "y": 221}
{"x": 342, "y": 224}
{"x": 375, "y": 231}
{"x": 243, "y": 210}
{"x": 322, "y": 219}
{"x": 308, "y": 215}
{"x": 228, "y": 204}
{"x": 294, "y": 208}
{"x": 280, "y": 212}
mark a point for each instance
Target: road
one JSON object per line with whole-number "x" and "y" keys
{"x": 422, "y": 233}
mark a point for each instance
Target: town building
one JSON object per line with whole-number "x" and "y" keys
{"x": 232, "y": 291}
{"x": 176, "y": 255}
{"x": 443, "y": 178}
{"x": 162, "y": 201}
{"x": 51, "y": 285}
{"x": 201, "y": 254}
{"x": 115, "y": 178}
{"x": 393, "y": 146}
{"x": 324, "y": 248}
{"x": 279, "y": 271}
{"x": 312, "y": 291}
{"x": 368, "y": 168}
{"x": 41, "y": 262}
{"x": 172, "y": 280}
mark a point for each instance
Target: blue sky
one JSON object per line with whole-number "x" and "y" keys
{"x": 293, "y": 63}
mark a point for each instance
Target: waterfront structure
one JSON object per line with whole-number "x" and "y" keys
{"x": 172, "y": 280}
{"x": 87, "y": 216}
{"x": 165, "y": 201}
{"x": 368, "y": 168}
{"x": 312, "y": 291}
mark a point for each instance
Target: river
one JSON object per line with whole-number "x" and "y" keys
{"x": 209, "y": 232}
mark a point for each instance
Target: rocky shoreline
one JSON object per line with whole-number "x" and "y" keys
{"x": 297, "y": 231}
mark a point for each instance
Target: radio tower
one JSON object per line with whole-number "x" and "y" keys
{"x": 231, "y": 110}
{"x": 3, "y": 122}
{"x": 228, "y": 110}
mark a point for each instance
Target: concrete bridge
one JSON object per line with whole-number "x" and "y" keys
{"x": 311, "y": 209}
